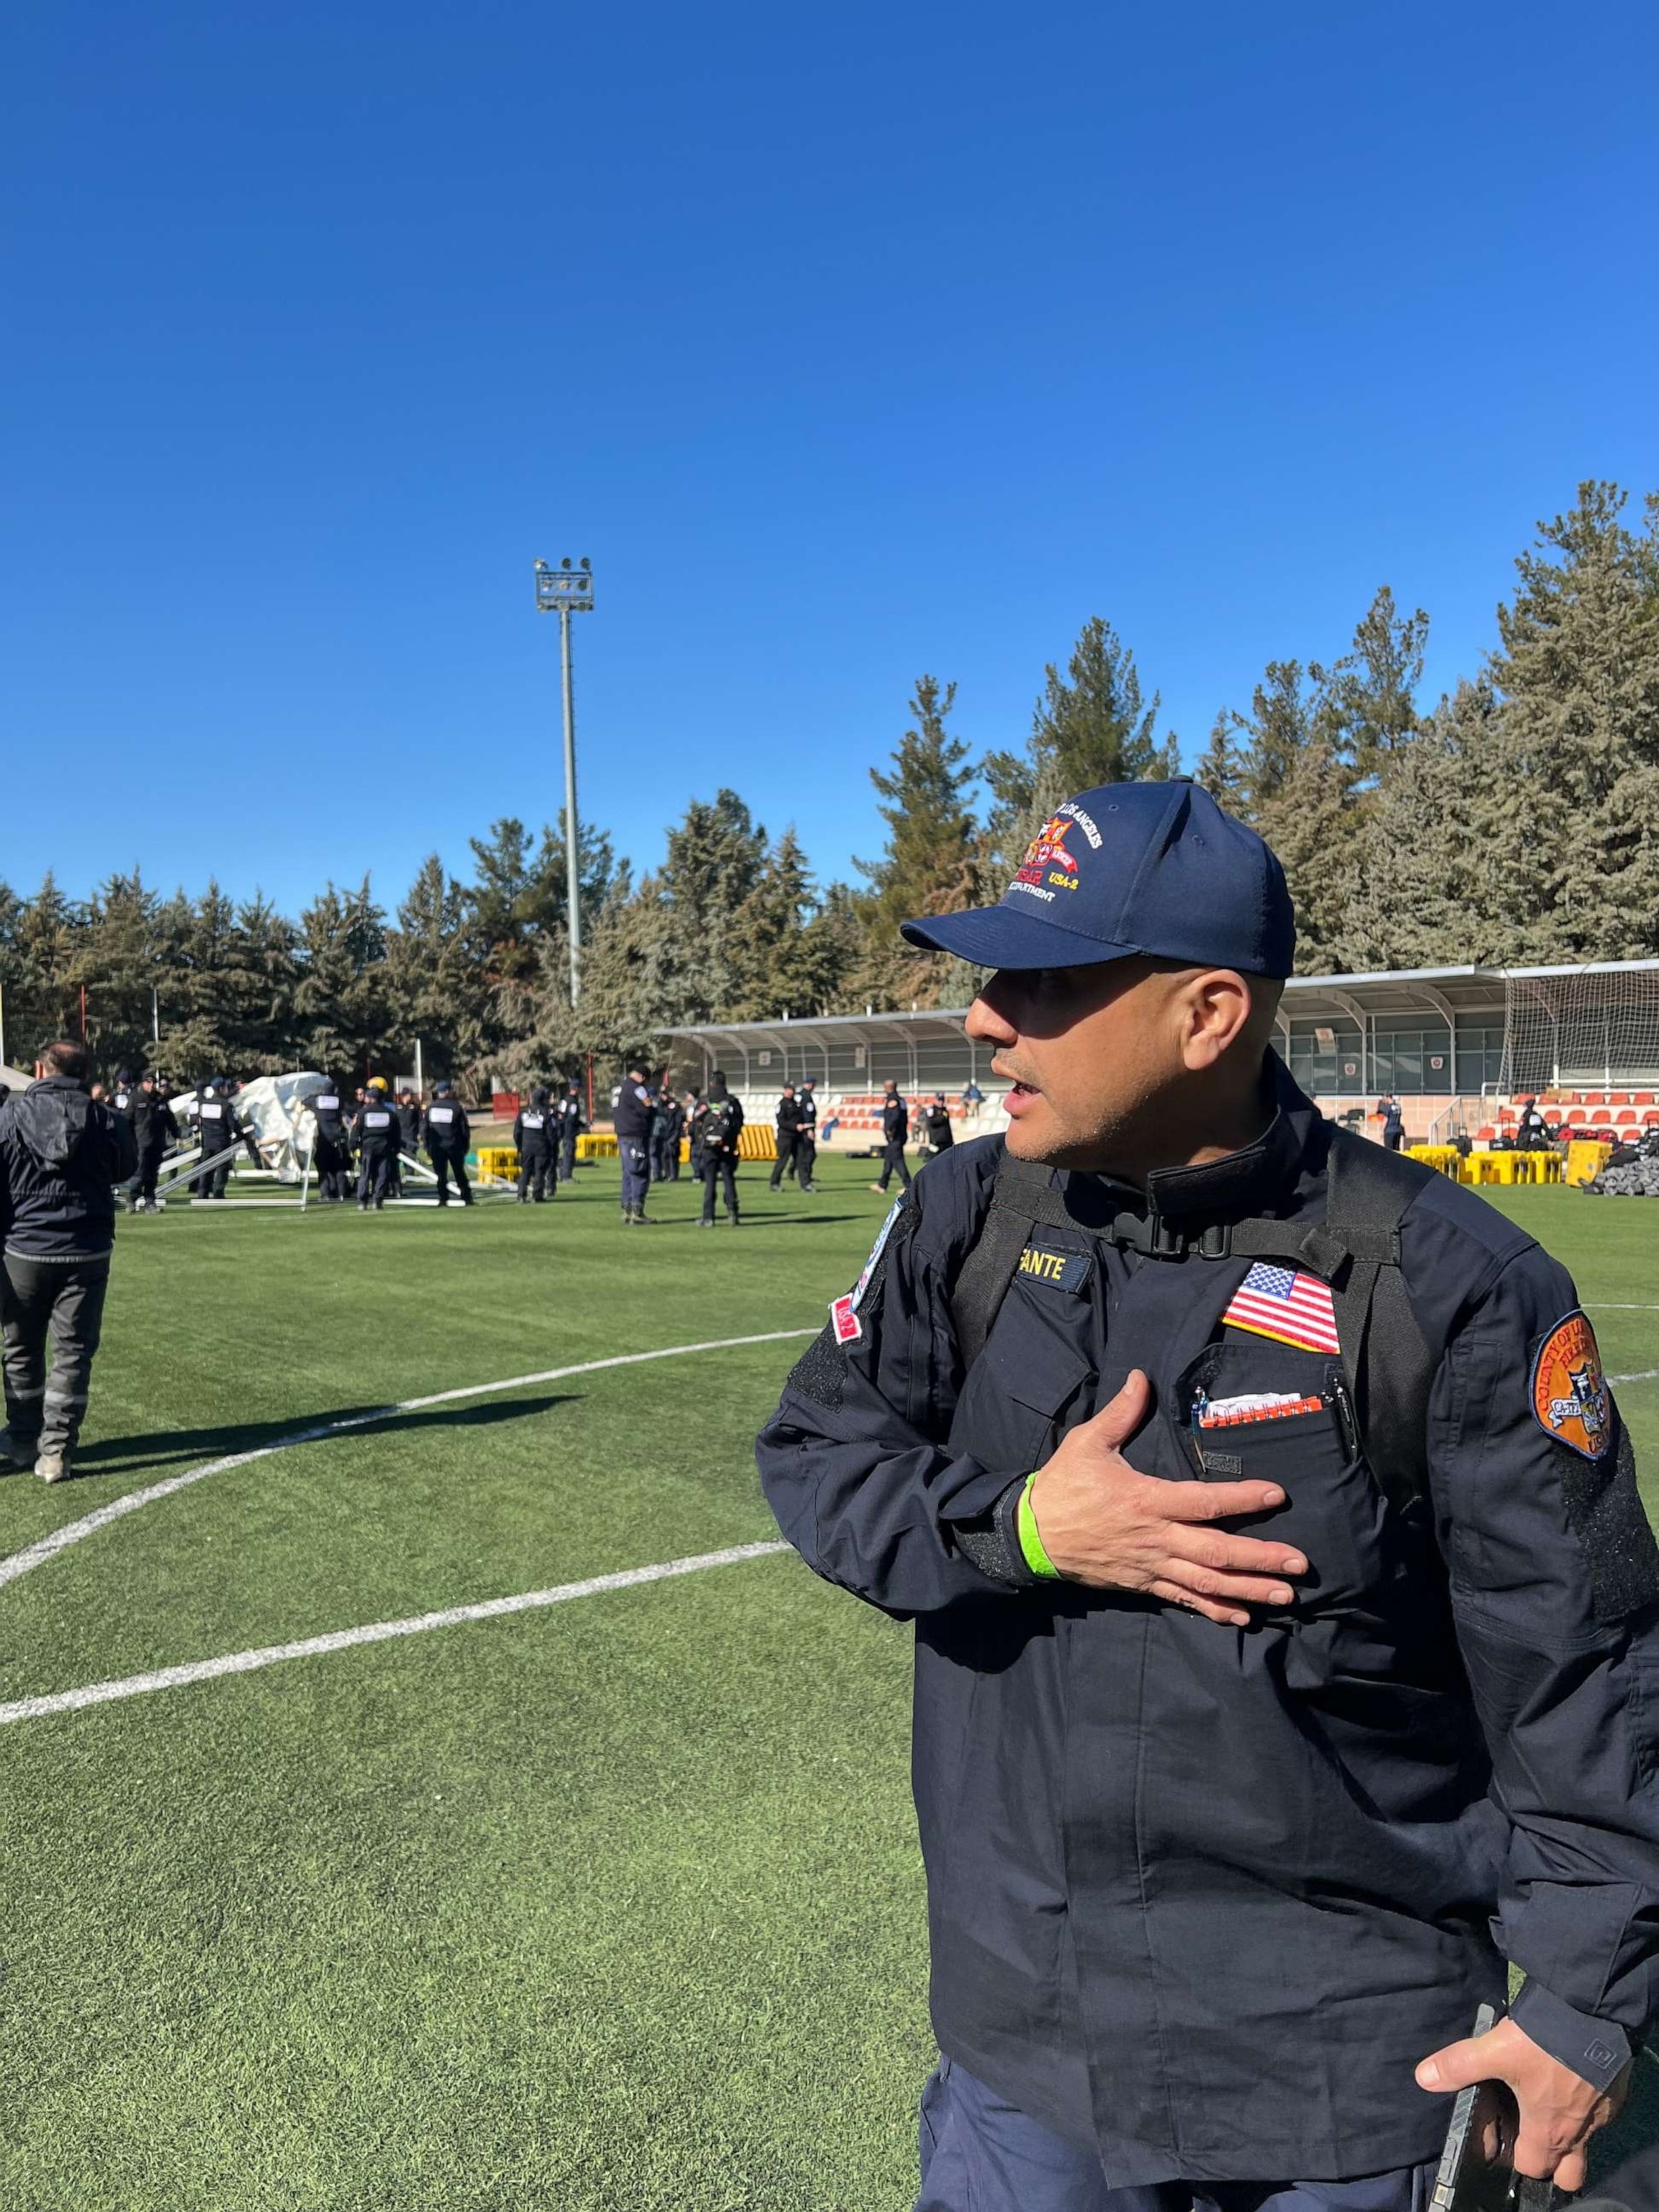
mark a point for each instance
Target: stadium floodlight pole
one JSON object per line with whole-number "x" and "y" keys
{"x": 567, "y": 590}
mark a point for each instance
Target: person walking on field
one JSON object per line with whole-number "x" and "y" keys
{"x": 1394, "y": 1122}
{"x": 721, "y": 1125}
{"x": 572, "y": 1121}
{"x": 1286, "y": 1616}
{"x": 895, "y": 1129}
{"x": 533, "y": 1135}
{"x": 61, "y": 1152}
{"x": 787, "y": 1120}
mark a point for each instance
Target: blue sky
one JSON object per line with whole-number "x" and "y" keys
{"x": 847, "y": 343}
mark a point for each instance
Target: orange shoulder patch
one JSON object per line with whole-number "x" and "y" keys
{"x": 1569, "y": 1399}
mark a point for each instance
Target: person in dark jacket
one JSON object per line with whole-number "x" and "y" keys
{"x": 632, "y": 1121}
{"x": 533, "y": 1135}
{"x": 410, "y": 1122}
{"x": 936, "y": 1124}
{"x": 1228, "y": 1835}
{"x": 721, "y": 1126}
{"x": 807, "y": 1135}
{"x": 667, "y": 1125}
{"x": 572, "y": 1121}
{"x": 60, "y": 1155}
{"x": 222, "y": 1129}
{"x": 331, "y": 1148}
{"x": 375, "y": 1137}
{"x": 448, "y": 1135}
{"x": 696, "y": 1110}
{"x": 894, "y": 1128}
{"x": 787, "y": 1120}
{"x": 1394, "y": 1122}
{"x": 154, "y": 1128}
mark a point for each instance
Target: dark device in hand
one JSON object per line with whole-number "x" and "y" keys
{"x": 1477, "y": 2167}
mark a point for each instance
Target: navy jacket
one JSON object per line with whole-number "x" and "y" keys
{"x": 60, "y": 1151}
{"x": 1202, "y": 1897}
{"x": 154, "y": 1125}
{"x": 448, "y": 1133}
{"x": 376, "y": 1134}
{"x": 632, "y": 1118}
{"x": 894, "y": 1120}
{"x": 532, "y": 1133}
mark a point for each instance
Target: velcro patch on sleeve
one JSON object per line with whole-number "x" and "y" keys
{"x": 1054, "y": 1265}
{"x": 1569, "y": 1397}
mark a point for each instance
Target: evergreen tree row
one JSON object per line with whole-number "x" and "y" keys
{"x": 1516, "y": 821}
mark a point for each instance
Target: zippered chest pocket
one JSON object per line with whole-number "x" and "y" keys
{"x": 1261, "y": 1412}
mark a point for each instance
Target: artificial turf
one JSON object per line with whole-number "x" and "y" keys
{"x": 613, "y": 1904}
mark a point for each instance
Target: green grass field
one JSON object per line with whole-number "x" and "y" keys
{"x": 614, "y": 1903}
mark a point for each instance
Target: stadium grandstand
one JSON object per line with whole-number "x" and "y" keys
{"x": 1458, "y": 1047}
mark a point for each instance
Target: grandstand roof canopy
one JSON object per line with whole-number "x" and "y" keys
{"x": 1429, "y": 1028}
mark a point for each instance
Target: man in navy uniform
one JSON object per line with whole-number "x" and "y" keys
{"x": 788, "y": 1121}
{"x": 1228, "y": 1835}
{"x": 154, "y": 1128}
{"x": 533, "y": 1135}
{"x": 807, "y": 1135}
{"x": 448, "y": 1133}
{"x": 332, "y": 1148}
{"x": 894, "y": 1128}
{"x": 632, "y": 1120}
{"x": 375, "y": 1137}
{"x": 721, "y": 1126}
{"x": 572, "y": 1122}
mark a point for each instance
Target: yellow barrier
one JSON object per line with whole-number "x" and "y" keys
{"x": 1586, "y": 1160}
{"x": 499, "y": 1160}
{"x": 1444, "y": 1157}
{"x": 596, "y": 1148}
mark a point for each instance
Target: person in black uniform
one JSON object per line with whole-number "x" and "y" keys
{"x": 331, "y": 1147}
{"x": 61, "y": 1152}
{"x": 120, "y": 1101}
{"x": 787, "y": 1119}
{"x": 936, "y": 1125}
{"x": 154, "y": 1128}
{"x": 1228, "y": 1835}
{"x": 533, "y": 1135}
{"x": 696, "y": 1112}
{"x": 722, "y": 1125}
{"x": 894, "y": 1128}
{"x": 670, "y": 1124}
{"x": 1394, "y": 1122}
{"x": 572, "y": 1121}
{"x": 222, "y": 1129}
{"x": 410, "y": 1123}
{"x": 448, "y": 1135}
{"x": 806, "y": 1136}
{"x": 1532, "y": 1132}
{"x": 632, "y": 1122}
{"x": 375, "y": 1137}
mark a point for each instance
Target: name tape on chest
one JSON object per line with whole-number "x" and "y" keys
{"x": 1287, "y": 1305}
{"x": 325, "y": 1103}
{"x": 1570, "y": 1401}
{"x": 377, "y": 1120}
{"x": 1053, "y": 1265}
{"x": 441, "y": 1114}
{"x": 844, "y": 1321}
{"x": 212, "y": 1113}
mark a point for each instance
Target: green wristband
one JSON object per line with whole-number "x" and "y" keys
{"x": 1031, "y": 1538}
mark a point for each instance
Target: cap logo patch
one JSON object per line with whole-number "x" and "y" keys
{"x": 1569, "y": 1398}
{"x": 1047, "y": 862}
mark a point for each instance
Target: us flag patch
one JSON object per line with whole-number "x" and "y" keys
{"x": 1287, "y": 1305}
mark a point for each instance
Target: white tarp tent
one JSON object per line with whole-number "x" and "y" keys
{"x": 14, "y": 1078}
{"x": 284, "y": 1129}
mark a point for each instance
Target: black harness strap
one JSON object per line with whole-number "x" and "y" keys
{"x": 1356, "y": 1249}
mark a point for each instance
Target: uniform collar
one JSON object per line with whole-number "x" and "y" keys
{"x": 1259, "y": 1179}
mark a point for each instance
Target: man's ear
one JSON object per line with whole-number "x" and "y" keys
{"x": 1217, "y": 1013}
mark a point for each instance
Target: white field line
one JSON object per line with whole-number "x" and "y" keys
{"x": 378, "y": 1632}
{"x": 1611, "y": 1305}
{"x": 1646, "y": 1374}
{"x": 73, "y": 1532}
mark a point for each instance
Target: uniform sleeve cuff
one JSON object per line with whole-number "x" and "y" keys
{"x": 1595, "y": 2049}
{"x": 991, "y": 1541}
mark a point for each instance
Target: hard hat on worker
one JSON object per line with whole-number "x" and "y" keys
{"x": 1150, "y": 868}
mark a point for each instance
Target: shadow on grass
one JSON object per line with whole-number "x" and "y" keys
{"x": 174, "y": 1447}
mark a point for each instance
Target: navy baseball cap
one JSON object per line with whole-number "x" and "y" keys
{"x": 1153, "y": 868}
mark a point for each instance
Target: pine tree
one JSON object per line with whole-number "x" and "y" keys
{"x": 117, "y": 960}
{"x": 340, "y": 1002}
{"x": 932, "y": 860}
{"x": 1372, "y": 692}
{"x": 790, "y": 965}
{"x": 1095, "y": 728}
{"x": 1221, "y": 771}
{"x": 1577, "y": 678}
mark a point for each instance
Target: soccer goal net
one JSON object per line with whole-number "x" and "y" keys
{"x": 1570, "y": 1028}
